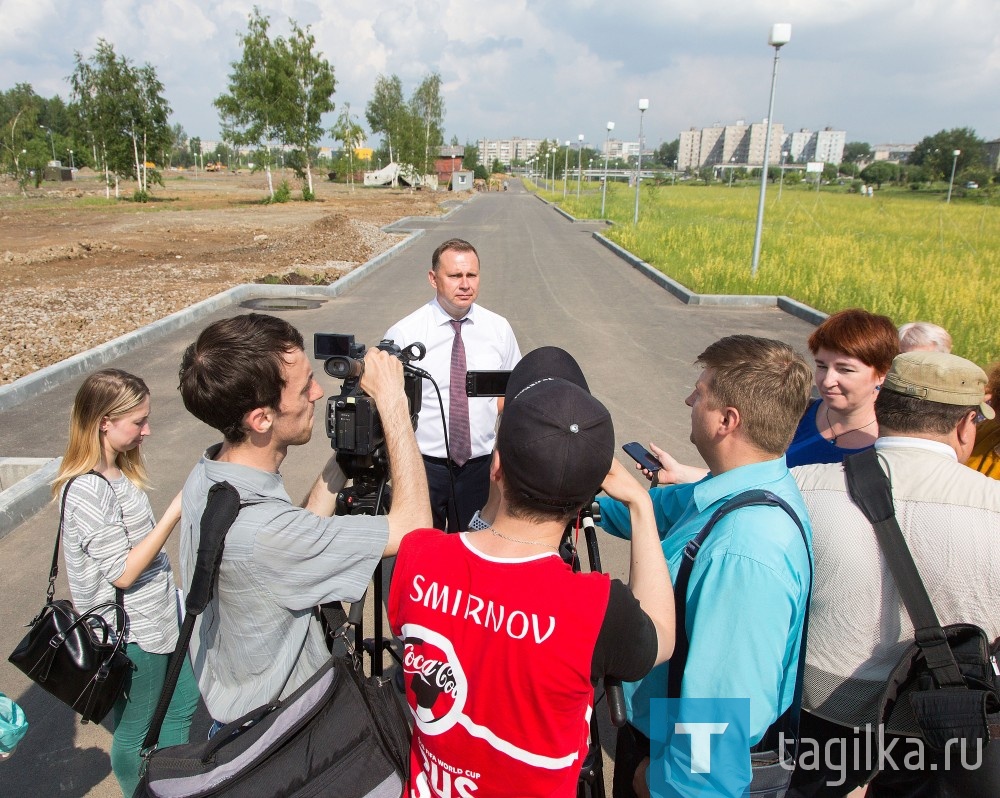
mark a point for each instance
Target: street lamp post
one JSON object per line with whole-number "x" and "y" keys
{"x": 72, "y": 163}
{"x": 52, "y": 141}
{"x": 579, "y": 164}
{"x": 732, "y": 168}
{"x": 954, "y": 163}
{"x": 565, "y": 168}
{"x": 781, "y": 179}
{"x": 781, "y": 34}
{"x": 604, "y": 188}
{"x": 643, "y": 106}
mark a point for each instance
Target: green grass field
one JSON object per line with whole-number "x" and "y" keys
{"x": 905, "y": 255}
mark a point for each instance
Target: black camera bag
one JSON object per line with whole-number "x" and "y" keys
{"x": 947, "y": 678}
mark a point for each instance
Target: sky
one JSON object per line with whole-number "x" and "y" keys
{"x": 886, "y": 71}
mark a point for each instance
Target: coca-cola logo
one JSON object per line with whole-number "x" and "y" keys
{"x": 434, "y": 672}
{"x": 436, "y": 686}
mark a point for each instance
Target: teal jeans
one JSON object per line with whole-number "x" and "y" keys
{"x": 134, "y": 711}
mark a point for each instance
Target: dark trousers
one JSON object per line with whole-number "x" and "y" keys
{"x": 631, "y": 747}
{"x": 915, "y": 770}
{"x": 472, "y": 488}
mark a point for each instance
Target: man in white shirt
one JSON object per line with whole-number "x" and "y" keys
{"x": 949, "y": 515}
{"x": 460, "y": 336}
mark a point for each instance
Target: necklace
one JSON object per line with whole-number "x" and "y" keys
{"x": 833, "y": 440}
{"x": 497, "y": 533}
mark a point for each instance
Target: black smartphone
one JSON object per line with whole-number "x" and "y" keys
{"x": 642, "y": 456}
{"x": 486, "y": 383}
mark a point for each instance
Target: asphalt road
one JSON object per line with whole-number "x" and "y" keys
{"x": 547, "y": 275}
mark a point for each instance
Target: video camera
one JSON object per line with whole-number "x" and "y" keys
{"x": 352, "y": 420}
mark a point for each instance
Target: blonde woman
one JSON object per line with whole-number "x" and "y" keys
{"x": 110, "y": 540}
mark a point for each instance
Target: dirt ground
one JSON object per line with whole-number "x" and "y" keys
{"x": 77, "y": 270}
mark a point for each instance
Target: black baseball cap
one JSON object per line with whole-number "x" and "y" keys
{"x": 556, "y": 441}
{"x": 546, "y": 361}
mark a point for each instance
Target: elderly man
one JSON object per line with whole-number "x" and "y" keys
{"x": 949, "y": 516}
{"x": 460, "y": 336}
{"x": 749, "y": 585}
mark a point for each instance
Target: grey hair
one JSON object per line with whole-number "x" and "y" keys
{"x": 924, "y": 335}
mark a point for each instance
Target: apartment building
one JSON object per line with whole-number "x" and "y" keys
{"x": 506, "y": 150}
{"x": 739, "y": 144}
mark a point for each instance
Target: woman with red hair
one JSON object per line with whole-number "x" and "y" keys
{"x": 853, "y": 350}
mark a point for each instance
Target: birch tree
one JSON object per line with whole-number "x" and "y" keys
{"x": 124, "y": 109}
{"x": 386, "y": 109}
{"x": 349, "y": 132}
{"x": 428, "y": 106}
{"x": 250, "y": 112}
{"x": 305, "y": 84}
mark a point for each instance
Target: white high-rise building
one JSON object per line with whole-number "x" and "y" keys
{"x": 506, "y": 150}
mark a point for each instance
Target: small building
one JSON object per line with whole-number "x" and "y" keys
{"x": 448, "y": 161}
{"x": 461, "y": 180}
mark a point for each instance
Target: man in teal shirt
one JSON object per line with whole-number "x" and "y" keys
{"x": 749, "y": 586}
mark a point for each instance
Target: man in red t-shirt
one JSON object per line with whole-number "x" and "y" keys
{"x": 503, "y": 643}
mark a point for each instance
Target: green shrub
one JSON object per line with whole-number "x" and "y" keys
{"x": 283, "y": 193}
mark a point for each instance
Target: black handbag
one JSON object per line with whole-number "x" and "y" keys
{"x": 945, "y": 686}
{"x": 339, "y": 734}
{"x": 77, "y": 658}
{"x": 772, "y": 760}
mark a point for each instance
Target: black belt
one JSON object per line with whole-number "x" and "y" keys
{"x": 443, "y": 461}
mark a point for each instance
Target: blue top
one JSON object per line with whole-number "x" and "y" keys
{"x": 746, "y": 601}
{"x": 809, "y": 447}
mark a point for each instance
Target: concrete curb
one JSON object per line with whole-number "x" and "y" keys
{"x": 27, "y": 496}
{"x": 689, "y": 297}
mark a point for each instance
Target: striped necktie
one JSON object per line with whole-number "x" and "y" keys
{"x": 459, "y": 435}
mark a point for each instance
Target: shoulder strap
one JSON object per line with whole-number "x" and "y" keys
{"x": 790, "y": 719}
{"x": 221, "y": 509}
{"x": 54, "y": 569}
{"x": 870, "y": 489}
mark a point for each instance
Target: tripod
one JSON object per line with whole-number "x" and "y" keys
{"x": 591, "y": 779}
{"x": 370, "y": 494}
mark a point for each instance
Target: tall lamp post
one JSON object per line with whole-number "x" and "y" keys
{"x": 643, "y": 106}
{"x": 52, "y": 141}
{"x": 565, "y": 168}
{"x": 579, "y": 164}
{"x": 781, "y": 179}
{"x": 781, "y": 34}
{"x": 604, "y": 188}
{"x": 954, "y": 163}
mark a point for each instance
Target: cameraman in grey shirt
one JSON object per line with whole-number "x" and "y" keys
{"x": 258, "y": 639}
